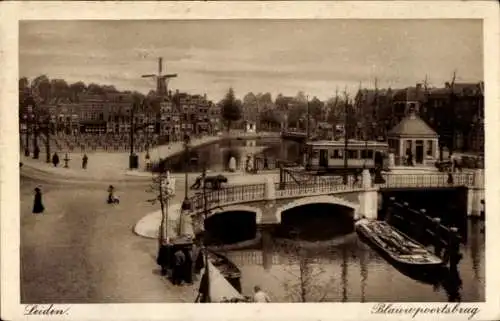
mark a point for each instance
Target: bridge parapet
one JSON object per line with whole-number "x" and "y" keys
{"x": 325, "y": 185}
{"x": 330, "y": 185}
{"x": 427, "y": 180}
{"x": 229, "y": 195}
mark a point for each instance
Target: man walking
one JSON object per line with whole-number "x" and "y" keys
{"x": 85, "y": 160}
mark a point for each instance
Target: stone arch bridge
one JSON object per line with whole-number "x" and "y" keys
{"x": 268, "y": 200}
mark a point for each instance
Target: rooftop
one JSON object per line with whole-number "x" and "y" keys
{"x": 412, "y": 126}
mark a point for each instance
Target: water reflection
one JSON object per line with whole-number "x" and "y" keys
{"x": 217, "y": 155}
{"x": 333, "y": 263}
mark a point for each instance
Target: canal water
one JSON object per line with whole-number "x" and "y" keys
{"x": 216, "y": 155}
{"x": 327, "y": 262}
{"x": 347, "y": 270}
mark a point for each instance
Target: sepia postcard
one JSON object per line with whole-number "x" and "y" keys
{"x": 272, "y": 160}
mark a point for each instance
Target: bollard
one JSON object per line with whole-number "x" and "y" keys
{"x": 438, "y": 248}
{"x": 66, "y": 160}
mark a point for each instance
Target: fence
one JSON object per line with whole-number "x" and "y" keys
{"x": 314, "y": 185}
{"x": 229, "y": 195}
{"x": 427, "y": 180}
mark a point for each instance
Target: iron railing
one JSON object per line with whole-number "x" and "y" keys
{"x": 427, "y": 180}
{"x": 315, "y": 185}
{"x": 229, "y": 195}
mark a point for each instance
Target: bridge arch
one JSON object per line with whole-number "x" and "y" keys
{"x": 239, "y": 208}
{"x": 323, "y": 199}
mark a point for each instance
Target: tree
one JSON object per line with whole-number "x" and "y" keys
{"x": 23, "y": 83}
{"x": 316, "y": 109}
{"x": 163, "y": 186}
{"x": 59, "y": 89}
{"x": 270, "y": 117}
{"x": 95, "y": 89}
{"x": 41, "y": 87}
{"x": 231, "y": 108}
{"x": 307, "y": 280}
{"x": 76, "y": 89}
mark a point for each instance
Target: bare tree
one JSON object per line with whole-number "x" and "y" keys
{"x": 308, "y": 280}
{"x": 163, "y": 186}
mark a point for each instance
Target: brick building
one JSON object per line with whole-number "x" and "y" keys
{"x": 457, "y": 114}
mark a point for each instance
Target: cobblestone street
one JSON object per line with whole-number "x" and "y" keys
{"x": 82, "y": 250}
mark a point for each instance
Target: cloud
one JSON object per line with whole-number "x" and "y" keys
{"x": 252, "y": 55}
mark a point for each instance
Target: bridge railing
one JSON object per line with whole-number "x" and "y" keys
{"x": 427, "y": 180}
{"x": 228, "y": 195}
{"x": 317, "y": 185}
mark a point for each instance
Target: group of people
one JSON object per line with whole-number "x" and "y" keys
{"x": 183, "y": 261}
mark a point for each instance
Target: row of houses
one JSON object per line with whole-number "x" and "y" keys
{"x": 114, "y": 112}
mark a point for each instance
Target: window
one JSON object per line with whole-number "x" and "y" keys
{"x": 352, "y": 154}
{"x": 315, "y": 153}
{"x": 367, "y": 154}
{"x": 337, "y": 154}
{"x": 429, "y": 148}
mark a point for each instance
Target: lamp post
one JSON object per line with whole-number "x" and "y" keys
{"x": 186, "y": 204}
{"x": 27, "y": 135}
{"x": 133, "y": 159}
{"x": 47, "y": 123}
{"x": 346, "y": 136}
{"x": 36, "y": 126}
{"x": 205, "y": 235}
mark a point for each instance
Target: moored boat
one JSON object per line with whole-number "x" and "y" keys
{"x": 222, "y": 283}
{"x": 396, "y": 247}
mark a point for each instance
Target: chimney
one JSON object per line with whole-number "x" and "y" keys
{"x": 177, "y": 91}
{"x": 447, "y": 85}
{"x": 170, "y": 93}
{"x": 205, "y": 96}
{"x": 419, "y": 87}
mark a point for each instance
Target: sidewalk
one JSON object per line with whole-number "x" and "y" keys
{"x": 105, "y": 165}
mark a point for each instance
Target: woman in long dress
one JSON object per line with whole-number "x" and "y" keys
{"x": 37, "y": 204}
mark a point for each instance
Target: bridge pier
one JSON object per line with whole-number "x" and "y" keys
{"x": 475, "y": 194}
{"x": 368, "y": 198}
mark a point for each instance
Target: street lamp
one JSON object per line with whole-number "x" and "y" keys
{"x": 133, "y": 158}
{"x": 186, "y": 204}
{"x": 36, "y": 127}
{"x": 27, "y": 135}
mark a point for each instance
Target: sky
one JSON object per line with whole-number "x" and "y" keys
{"x": 276, "y": 56}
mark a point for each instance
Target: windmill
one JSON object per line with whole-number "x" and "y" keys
{"x": 161, "y": 80}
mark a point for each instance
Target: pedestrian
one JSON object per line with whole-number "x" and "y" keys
{"x": 482, "y": 214}
{"x": 188, "y": 266}
{"x": 36, "y": 152}
{"x": 55, "y": 159}
{"x": 85, "y": 159}
{"x": 199, "y": 261}
{"x": 197, "y": 183}
{"x": 260, "y": 296}
{"x": 37, "y": 204}
{"x": 179, "y": 260}
{"x": 111, "y": 194}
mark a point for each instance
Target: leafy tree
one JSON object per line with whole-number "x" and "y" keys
{"x": 23, "y": 83}
{"x": 231, "y": 108}
{"x": 271, "y": 117}
{"x": 59, "y": 89}
{"x": 76, "y": 89}
{"x": 41, "y": 87}
{"x": 316, "y": 109}
{"x": 95, "y": 89}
